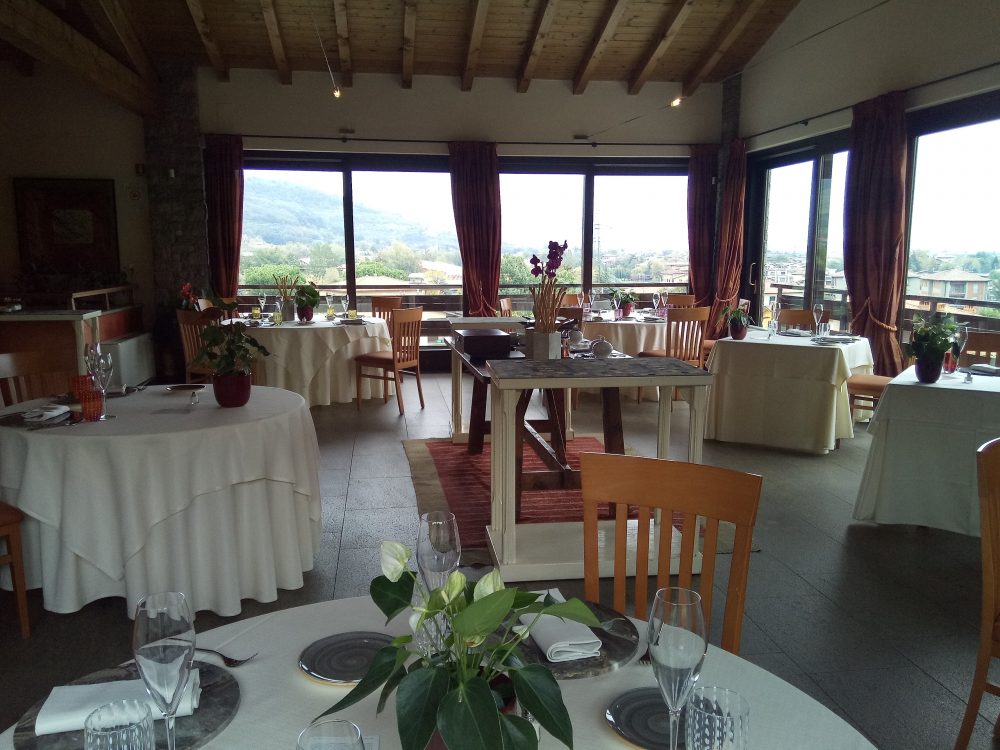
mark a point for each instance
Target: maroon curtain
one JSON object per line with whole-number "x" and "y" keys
{"x": 475, "y": 196}
{"x": 875, "y": 225}
{"x": 701, "y": 219}
{"x": 224, "y": 208}
{"x": 730, "y": 265}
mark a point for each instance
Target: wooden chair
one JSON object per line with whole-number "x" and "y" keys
{"x": 679, "y": 300}
{"x": 801, "y": 318}
{"x": 988, "y": 462}
{"x": 685, "y": 337}
{"x": 191, "y": 323}
{"x": 864, "y": 391}
{"x": 670, "y": 487}
{"x": 10, "y": 529}
{"x": 506, "y": 309}
{"x": 405, "y": 353}
{"x": 28, "y": 375}
{"x": 574, "y": 314}
{"x": 571, "y": 299}
{"x": 980, "y": 346}
{"x": 382, "y": 307}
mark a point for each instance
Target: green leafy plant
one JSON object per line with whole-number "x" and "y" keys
{"x": 931, "y": 337}
{"x": 736, "y": 315}
{"x": 453, "y": 688}
{"x": 306, "y": 295}
{"x": 622, "y": 296}
{"x": 228, "y": 349}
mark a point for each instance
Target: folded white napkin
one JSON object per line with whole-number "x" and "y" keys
{"x": 562, "y": 640}
{"x": 796, "y": 332}
{"x": 45, "y": 412}
{"x": 984, "y": 369}
{"x": 67, "y": 707}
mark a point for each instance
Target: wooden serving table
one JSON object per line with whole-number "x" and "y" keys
{"x": 540, "y": 551}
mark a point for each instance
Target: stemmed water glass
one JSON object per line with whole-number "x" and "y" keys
{"x": 656, "y": 302}
{"x": 438, "y": 551}
{"x": 677, "y": 646}
{"x": 262, "y": 299}
{"x": 346, "y": 302}
{"x": 163, "y": 642}
{"x": 817, "y": 315}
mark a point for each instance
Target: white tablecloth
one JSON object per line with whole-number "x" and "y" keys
{"x": 785, "y": 392}
{"x": 277, "y": 700}
{"x": 316, "y": 360}
{"x": 222, "y": 504}
{"x": 921, "y": 467}
{"x": 630, "y": 337}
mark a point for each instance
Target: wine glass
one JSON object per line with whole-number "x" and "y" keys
{"x": 656, "y": 302}
{"x": 91, "y": 355}
{"x": 346, "y": 302}
{"x": 330, "y": 734}
{"x": 163, "y": 644}
{"x": 104, "y": 367}
{"x": 677, "y": 645}
{"x": 961, "y": 339}
{"x": 262, "y": 299}
{"x": 817, "y": 314}
{"x": 438, "y": 547}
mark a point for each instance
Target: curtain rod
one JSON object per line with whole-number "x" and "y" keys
{"x": 806, "y": 120}
{"x": 348, "y": 138}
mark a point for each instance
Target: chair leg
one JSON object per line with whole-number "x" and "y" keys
{"x": 975, "y": 697}
{"x": 357, "y": 378}
{"x": 420, "y": 389}
{"x": 17, "y": 578}
{"x": 385, "y": 386}
{"x": 398, "y": 379}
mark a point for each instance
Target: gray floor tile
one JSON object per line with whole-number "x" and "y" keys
{"x": 382, "y": 492}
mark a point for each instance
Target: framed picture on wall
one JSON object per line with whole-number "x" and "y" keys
{"x": 66, "y": 224}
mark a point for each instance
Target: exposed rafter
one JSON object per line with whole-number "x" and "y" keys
{"x": 409, "y": 41}
{"x": 277, "y": 44}
{"x": 672, "y": 23}
{"x": 598, "y": 46}
{"x": 117, "y": 16}
{"x": 343, "y": 43}
{"x": 38, "y": 32}
{"x": 729, "y": 32}
{"x": 475, "y": 42}
{"x": 23, "y": 63}
{"x": 205, "y": 32}
{"x": 542, "y": 25}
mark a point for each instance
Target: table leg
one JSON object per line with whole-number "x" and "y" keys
{"x": 518, "y": 446}
{"x": 555, "y": 404}
{"x": 697, "y": 398}
{"x": 664, "y": 395}
{"x": 505, "y": 445}
{"x": 611, "y": 415}
{"x": 456, "y": 396}
{"x": 477, "y": 417}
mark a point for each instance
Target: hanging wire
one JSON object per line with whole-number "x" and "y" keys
{"x": 336, "y": 88}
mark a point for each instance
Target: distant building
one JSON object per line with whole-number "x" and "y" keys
{"x": 954, "y": 283}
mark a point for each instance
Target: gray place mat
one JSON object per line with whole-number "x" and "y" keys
{"x": 220, "y": 699}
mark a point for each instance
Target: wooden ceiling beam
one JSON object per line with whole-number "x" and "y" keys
{"x": 542, "y": 26}
{"x": 343, "y": 43}
{"x": 277, "y": 43}
{"x": 598, "y": 46}
{"x": 118, "y": 17}
{"x": 734, "y": 25}
{"x": 475, "y": 42}
{"x": 409, "y": 41}
{"x": 672, "y": 23}
{"x": 208, "y": 41}
{"x": 38, "y": 32}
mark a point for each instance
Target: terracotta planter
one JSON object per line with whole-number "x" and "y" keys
{"x": 231, "y": 390}
{"x": 929, "y": 368}
{"x": 304, "y": 313}
{"x": 737, "y": 331}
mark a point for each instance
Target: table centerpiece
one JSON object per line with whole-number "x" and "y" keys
{"x": 229, "y": 351}
{"x": 461, "y": 694}
{"x": 738, "y": 321}
{"x": 546, "y": 298}
{"x": 285, "y": 302}
{"x": 306, "y": 300}
{"x": 931, "y": 338}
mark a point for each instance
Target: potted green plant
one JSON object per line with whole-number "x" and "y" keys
{"x": 738, "y": 319}
{"x": 931, "y": 338}
{"x": 306, "y": 299}
{"x": 229, "y": 351}
{"x": 625, "y": 301}
{"x": 457, "y": 691}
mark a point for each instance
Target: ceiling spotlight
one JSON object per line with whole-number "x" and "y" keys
{"x": 336, "y": 87}
{"x": 336, "y": 90}
{"x": 676, "y": 101}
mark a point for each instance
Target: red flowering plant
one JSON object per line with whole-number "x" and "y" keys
{"x": 547, "y": 297}
{"x": 189, "y": 297}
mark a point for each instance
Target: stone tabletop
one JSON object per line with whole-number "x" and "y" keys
{"x": 597, "y": 369}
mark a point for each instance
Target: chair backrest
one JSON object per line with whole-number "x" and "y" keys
{"x": 28, "y": 375}
{"x": 382, "y": 307}
{"x": 572, "y": 313}
{"x": 683, "y": 492}
{"x": 679, "y": 300}
{"x": 506, "y": 307}
{"x": 191, "y": 323}
{"x": 979, "y": 347}
{"x": 801, "y": 318}
{"x": 406, "y": 335}
{"x": 686, "y": 333}
{"x": 988, "y": 463}
{"x": 571, "y": 299}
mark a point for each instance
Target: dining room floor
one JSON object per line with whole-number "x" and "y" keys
{"x": 880, "y": 624}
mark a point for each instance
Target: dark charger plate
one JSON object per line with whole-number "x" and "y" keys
{"x": 220, "y": 698}
{"x": 641, "y": 717}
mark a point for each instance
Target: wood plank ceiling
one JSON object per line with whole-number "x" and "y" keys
{"x": 117, "y": 44}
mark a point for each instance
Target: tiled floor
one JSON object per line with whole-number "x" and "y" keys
{"x": 878, "y": 623}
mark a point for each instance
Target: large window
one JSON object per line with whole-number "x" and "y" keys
{"x": 955, "y": 222}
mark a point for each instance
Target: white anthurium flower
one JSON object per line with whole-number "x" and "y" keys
{"x": 394, "y": 557}
{"x": 454, "y": 586}
{"x": 415, "y": 619}
{"x": 521, "y": 630}
{"x": 475, "y": 642}
{"x": 487, "y": 585}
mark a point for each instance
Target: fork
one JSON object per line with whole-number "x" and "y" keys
{"x": 227, "y": 660}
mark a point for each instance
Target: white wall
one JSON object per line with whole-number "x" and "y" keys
{"x": 254, "y": 103}
{"x": 52, "y": 125}
{"x": 829, "y": 55}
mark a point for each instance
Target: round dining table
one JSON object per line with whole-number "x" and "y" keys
{"x": 277, "y": 699}
{"x": 630, "y": 336}
{"x": 223, "y": 504}
{"x": 316, "y": 359}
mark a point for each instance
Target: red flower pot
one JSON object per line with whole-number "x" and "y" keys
{"x": 304, "y": 313}
{"x": 627, "y": 309}
{"x": 737, "y": 331}
{"x": 231, "y": 390}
